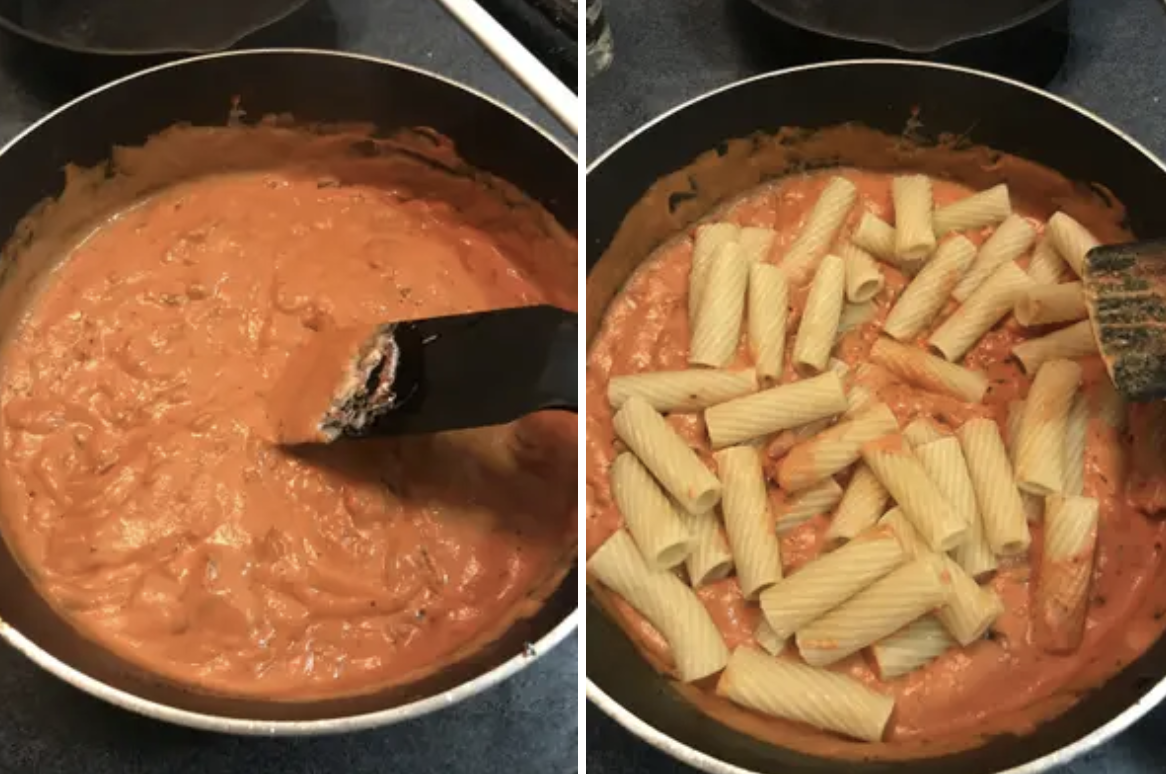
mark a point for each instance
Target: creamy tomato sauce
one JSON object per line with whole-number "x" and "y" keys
{"x": 1004, "y": 683}
{"x": 142, "y": 487}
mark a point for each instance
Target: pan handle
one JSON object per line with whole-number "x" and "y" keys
{"x": 522, "y": 64}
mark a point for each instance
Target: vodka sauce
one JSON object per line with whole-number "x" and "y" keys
{"x": 143, "y": 491}
{"x": 1003, "y": 683}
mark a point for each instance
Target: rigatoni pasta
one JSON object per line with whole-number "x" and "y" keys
{"x": 717, "y": 329}
{"x": 1045, "y": 304}
{"x": 1047, "y": 267}
{"x": 863, "y": 501}
{"x": 1040, "y": 445}
{"x": 944, "y": 462}
{"x": 864, "y": 279}
{"x": 833, "y": 450}
{"x": 1034, "y": 505}
{"x": 756, "y": 243}
{"x": 709, "y": 240}
{"x": 986, "y": 208}
{"x": 802, "y": 506}
{"x": 997, "y": 496}
{"x": 915, "y": 645}
{"x": 819, "y": 324}
{"x": 914, "y": 234}
{"x": 1072, "y": 241}
{"x": 929, "y": 372}
{"x": 821, "y": 227}
{"x": 984, "y": 308}
{"x": 778, "y": 408}
{"x": 745, "y": 504}
{"x": 877, "y": 237}
{"x": 679, "y": 391}
{"x": 971, "y": 609}
{"x": 817, "y": 697}
{"x": 768, "y": 304}
{"x": 1008, "y": 242}
{"x": 1070, "y": 543}
{"x": 1067, "y": 343}
{"x": 922, "y": 503}
{"x": 669, "y": 605}
{"x": 652, "y": 520}
{"x": 709, "y": 559}
{"x": 918, "y": 304}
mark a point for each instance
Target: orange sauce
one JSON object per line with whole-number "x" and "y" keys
{"x": 1004, "y": 683}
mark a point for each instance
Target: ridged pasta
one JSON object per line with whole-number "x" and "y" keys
{"x": 1072, "y": 240}
{"x": 877, "y": 237}
{"x": 1048, "y": 304}
{"x": 680, "y": 391}
{"x": 921, "y": 431}
{"x": 745, "y": 505}
{"x": 1034, "y": 505}
{"x": 1009, "y": 241}
{"x": 768, "y": 297}
{"x": 652, "y": 520}
{"x": 899, "y": 470}
{"x": 823, "y": 310}
{"x": 830, "y": 579}
{"x": 864, "y": 279}
{"x": 929, "y": 372}
{"x": 1040, "y": 444}
{"x": 665, "y": 453}
{"x": 709, "y": 239}
{"x": 756, "y": 243}
{"x": 1062, "y": 593}
{"x": 925, "y": 296}
{"x": 984, "y": 308}
{"x": 915, "y": 645}
{"x": 834, "y": 450}
{"x": 1069, "y": 343}
{"x": 858, "y": 400}
{"x": 778, "y": 408}
{"x": 876, "y": 612}
{"x": 821, "y": 227}
{"x": 767, "y": 638}
{"x": 1047, "y": 267}
{"x": 668, "y": 604}
{"x": 802, "y": 506}
{"x": 986, "y": 208}
{"x": 914, "y": 235}
{"x": 717, "y": 329}
{"x": 854, "y": 316}
{"x": 709, "y": 559}
{"x": 944, "y": 462}
{"x": 971, "y": 609}
{"x": 908, "y": 536}
{"x": 996, "y": 493}
{"x": 817, "y": 697}
{"x": 863, "y": 501}
{"x": 1076, "y": 436}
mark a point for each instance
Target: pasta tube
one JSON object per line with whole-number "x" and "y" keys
{"x": 778, "y": 408}
{"x": 717, "y": 329}
{"x": 1072, "y": 240}
{"x": 862, "y": 503}
{"x": 709, "y": 240}
{"x": 768, "y": 313}
{"x": 802, "y": 506}
{"x": 819, "y": 325}
{"x": 877, "y": 237}
{"x": 755, "y": 243}
{"x": 710, "y": 559}
{"x": 876, "y": 612}
{"x": 668, "y": 604}
{"x": 986, "y": 208}
{"x": 816, "y": 697}
{"x": 680, "y": 391}
{"x": 915, "y": 645}
{"x": 659, "y": 530}
{"x": 745, "y": 504}
{"x": 829, "y": 580}
{"x": 944, "y": 462}
{"x": 925, "y": 507}
{"x": 971, "y": 609}
{"x": 854, "y": 316}
{"x": 833, "y": 450}
{"x": 1047, "y": 304}
{"x": 665, "y": 453}
{"x": 921, "y": 431}
{"x": 1040, "y": 444}
{"x": 984, "y": 308}
{"x": 921, "y": 300}
{"x": 1034, "y": 505}
{"x": 996, "y": 494}
{"x": 1068, "y": 343}
{"x": 767, "y": 638}
{"x": 1047, "y": 267}
{"x": 864, "y": 279}
{"x": 1008, "y": 242}
{"x": 929, "y": 372}
{"x": 1062, "y": 593}
{"x": 914, "y": 235}
{"x": 908, "y": 536}
{"x": 1076, "y": 436}
{"x": 819, "y": 231}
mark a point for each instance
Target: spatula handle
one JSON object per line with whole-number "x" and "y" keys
{"x": 558, "y": 386}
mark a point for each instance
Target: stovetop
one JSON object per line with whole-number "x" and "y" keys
{"x": 527, "y": 724}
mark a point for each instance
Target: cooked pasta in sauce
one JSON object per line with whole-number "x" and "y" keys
{"x": 141, "y": 484}
{"x": 1000, "y": 683}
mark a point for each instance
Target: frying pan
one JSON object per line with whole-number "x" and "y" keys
{"x": 916, "y": 26}
{"x": 314, "y": 87}
{"x": 882, "y": 94}
{"x": 140, "y": 27}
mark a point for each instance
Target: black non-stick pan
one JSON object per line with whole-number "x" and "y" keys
{"x": 985, "y": 109}
{"x": 916, "y": 26}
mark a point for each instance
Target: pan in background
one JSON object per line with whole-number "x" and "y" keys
{"x": 916, "y": 26}
{"x": 989, "y": 110}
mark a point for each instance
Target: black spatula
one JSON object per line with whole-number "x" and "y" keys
{"x": 428, "y": 376}
{"x": 1125, "y": 293}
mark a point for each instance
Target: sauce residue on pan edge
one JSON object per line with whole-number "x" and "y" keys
{"x": 141, "y": 487}
{"x": 1003, "y": 684}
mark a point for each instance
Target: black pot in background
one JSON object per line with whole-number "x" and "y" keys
{"x": 1002, "y": 114}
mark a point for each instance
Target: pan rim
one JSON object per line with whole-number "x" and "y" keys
{"x": 248, "y": 727}
{"x": 681, "y": 751}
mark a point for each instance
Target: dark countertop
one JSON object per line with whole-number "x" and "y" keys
{"x": 529, "y": 723}
{"x": 669, "y": 51}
